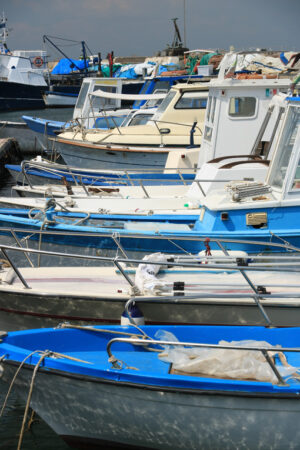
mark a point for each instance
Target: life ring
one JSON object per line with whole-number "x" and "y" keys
{"x": 38, "y": 61}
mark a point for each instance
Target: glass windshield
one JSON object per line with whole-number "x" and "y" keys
{"x": 82, "y": 95}
{"x": 104, "y": 103}
{"x": 285, "y": 147}
{"x": 192, "y": 100}
{"x": 164, "y": 104}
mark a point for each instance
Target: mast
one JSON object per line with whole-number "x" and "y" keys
{"x": 3, "y": 33}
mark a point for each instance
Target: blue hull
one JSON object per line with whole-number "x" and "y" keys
{"x": 43, "y": 126}
{"x": 94, "y": 178}
{"x": 152, "y": 407}
{"x": 96, "y": 228}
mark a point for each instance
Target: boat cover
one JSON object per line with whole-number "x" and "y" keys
{"x": 64, "y": 66}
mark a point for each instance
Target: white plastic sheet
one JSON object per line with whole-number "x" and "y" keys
{"x": 224, "y": 363}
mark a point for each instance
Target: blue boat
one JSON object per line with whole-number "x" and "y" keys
{"x": 129, "y": 387}
{"x": 54, "y": 173}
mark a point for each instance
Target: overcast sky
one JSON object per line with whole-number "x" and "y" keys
{"x": 142, "y": 27}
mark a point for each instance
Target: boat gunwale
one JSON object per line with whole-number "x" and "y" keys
{"x": 231, "y": 392}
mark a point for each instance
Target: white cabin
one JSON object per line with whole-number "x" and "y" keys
{"x": 235, "y": 111}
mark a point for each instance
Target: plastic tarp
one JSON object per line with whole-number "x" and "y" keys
{"x": 225, "y": 363}
{"x": 234, "y": 62}
{"x": 133, "y": 71}
{"x": 205, "y": 58}
{"x": 167, "y": 68}
{"x": 64, "y": 66}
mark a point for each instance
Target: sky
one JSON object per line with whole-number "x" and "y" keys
{"x": 144, "y": 27}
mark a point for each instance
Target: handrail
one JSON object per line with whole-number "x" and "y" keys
{"x": 116, "y": 180}
{"x": 264, "y": 350}
{"x": 156, "y": 236}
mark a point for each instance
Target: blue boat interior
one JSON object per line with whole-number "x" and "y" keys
{"x": 101, "y": 179}
{"x": 141, "y": 366}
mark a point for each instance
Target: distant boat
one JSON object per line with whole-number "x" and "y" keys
{"x": 22, "y": 81}
{"x": 131, "y": 388}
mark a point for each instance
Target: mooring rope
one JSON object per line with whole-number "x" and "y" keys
{"x": 44, "y": 354}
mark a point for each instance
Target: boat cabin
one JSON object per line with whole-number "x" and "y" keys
{"x": 235, "y": 111}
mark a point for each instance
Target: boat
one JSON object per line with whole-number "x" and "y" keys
{"x": 127, "y": 387}
{"x": 86, "y": 112}
{"x": 40, "y": 287}
{"x": 35, "y": 176}
{"x": 246, "y": 210}
{"x": 252, "y": 135}
{"x": 175, "y": 125}
{"x": 118, "y": 107}
{"x": 22, "y": 81}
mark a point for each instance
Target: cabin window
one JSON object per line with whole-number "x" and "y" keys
{"x": 82, "y": 95}
{"x": 208, "y": 133}
{"x": 242, "y": 106}
{"x": 284, "y": 150}
{"x": 140, "y": 119}
{"x": 192, "y": 100}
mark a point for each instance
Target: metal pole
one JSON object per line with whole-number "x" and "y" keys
{"x": 18, "y": 273}
{"x": 184, "y": 25}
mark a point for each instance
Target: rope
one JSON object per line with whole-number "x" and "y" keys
{"x": 102, "y": 330}
{"x": 44, "y": 354}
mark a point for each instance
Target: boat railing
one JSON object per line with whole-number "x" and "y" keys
{"x": 128, "y": 180}
{"x": 146, "y": 341}
{"x": 257, "y": 293}
{"x": 285, "y": 246}
{"x": 161, "y": 131}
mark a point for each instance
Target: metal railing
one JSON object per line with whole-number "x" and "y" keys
{"x": 80, "y": 179}
{"x": 257, "y": 293}
{"x": 146, "y": 342}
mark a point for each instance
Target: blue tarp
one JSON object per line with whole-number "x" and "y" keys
{"x": 64, "y": 66}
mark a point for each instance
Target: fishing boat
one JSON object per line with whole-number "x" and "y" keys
{"x": 41, "y": 288}
{"x": 22, "y": 81}
{"x": 157, "y": 387}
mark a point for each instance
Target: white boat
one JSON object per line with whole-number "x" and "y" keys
{"x": 22, "y": 81}
{"x": 218, "y": 289}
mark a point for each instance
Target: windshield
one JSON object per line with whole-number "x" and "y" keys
{"x": 285, "y": 147}
{"x": 82, "y": 95}
{"x": 164, "y": 104}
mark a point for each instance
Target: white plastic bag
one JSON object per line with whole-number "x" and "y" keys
{"x": 145, "y": 276}
{"x": 224, "y": 363}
